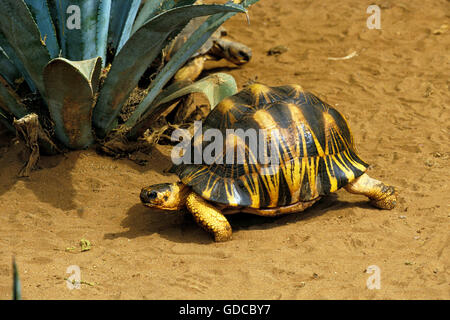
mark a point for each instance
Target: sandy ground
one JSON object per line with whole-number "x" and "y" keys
{"x": 395, "y": 94}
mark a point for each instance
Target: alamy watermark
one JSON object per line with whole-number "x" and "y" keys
{"x": 74, "y": 20}
{"x": 236, "y": 146}
{"x": 74, "y": 280}
{"x": 374, "y": 281}
{"x": 374, "y": 20}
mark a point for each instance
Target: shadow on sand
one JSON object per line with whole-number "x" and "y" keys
{"x": 52, "y": 182}
{"x": 180, "y": 226}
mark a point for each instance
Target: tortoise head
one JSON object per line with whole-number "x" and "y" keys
{"x": 235, "y": 52}
{"x": 166, "y": 196}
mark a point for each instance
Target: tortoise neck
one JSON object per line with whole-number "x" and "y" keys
{"x": 181, "y": 191}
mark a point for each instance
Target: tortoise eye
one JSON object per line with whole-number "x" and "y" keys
{"x": 152, "y": 195}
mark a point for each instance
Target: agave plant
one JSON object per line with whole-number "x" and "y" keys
{"x": 17, "y": 290}
{"x": 75, "y": 63}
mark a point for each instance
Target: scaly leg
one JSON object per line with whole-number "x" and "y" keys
{"x": 209, "y": 217}
{"x": 381, "y": 195}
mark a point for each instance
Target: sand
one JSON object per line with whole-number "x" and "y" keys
{"x": 394, "y": 92}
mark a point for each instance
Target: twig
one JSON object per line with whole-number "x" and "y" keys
{"x": 351, "y": 55}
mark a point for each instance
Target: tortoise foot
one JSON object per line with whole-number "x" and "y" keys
{"x": 223, "y": 235}
{"x": 388, "y": 200}
{"x": 209, "y": 217}
{"x": 380, "y": 195}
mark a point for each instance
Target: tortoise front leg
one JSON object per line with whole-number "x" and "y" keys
{"x": 381, "y": 195}
{"x": 209, "y": 217}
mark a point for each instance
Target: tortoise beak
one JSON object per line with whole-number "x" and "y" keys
{"x": 242, "y": 57}
{"x": 144, "y": 196}
{"x": 246, "y": 56}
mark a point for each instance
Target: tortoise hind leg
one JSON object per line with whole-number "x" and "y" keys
{"x": 381, "y": 195}
{"x": 209, "y": 217}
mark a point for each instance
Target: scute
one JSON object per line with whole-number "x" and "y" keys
{"x": 315, "y": 149}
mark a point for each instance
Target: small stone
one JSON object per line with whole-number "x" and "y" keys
{"x": 442, "y": 29}
{"x": 80, "y": 212}
{"x": 428, "y": 92}
{"x": 402, "y": 217}
{"x": 429, "y": 163}
{"x": 277, "y": 50}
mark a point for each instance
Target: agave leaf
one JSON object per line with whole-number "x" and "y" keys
{"x": 136, "y": 56}
{"x": 22, "y": 34}
{"x": 123, "y": 14}
{"x": 3, "y": 116}
{"x": 56, "y": 18}
{"x": 59, "y": 17}
{"x": 41, "y": 13}
{"x": 152, "y": 8}
{"x": 71, "y": 106}
{"x": 193, "y": 43}
{"x": 83, "y": 28}
{"x": 17, "y": 292}
{"x": 10, "y": 53}
{"x": 9, "y": 101}
{"x": 6, "y": 121}
{"x": 103, "y": 16}
{"x": 140, "y": 127}
{"x": 7, "y": 69}
{"x": 215, "y": 87}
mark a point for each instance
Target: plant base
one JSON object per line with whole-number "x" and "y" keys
{"x": 31, "y": 133}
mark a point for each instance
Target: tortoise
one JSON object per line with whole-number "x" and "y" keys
{"x": 316, "y": 152}
{"x": 215, "y": 48}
